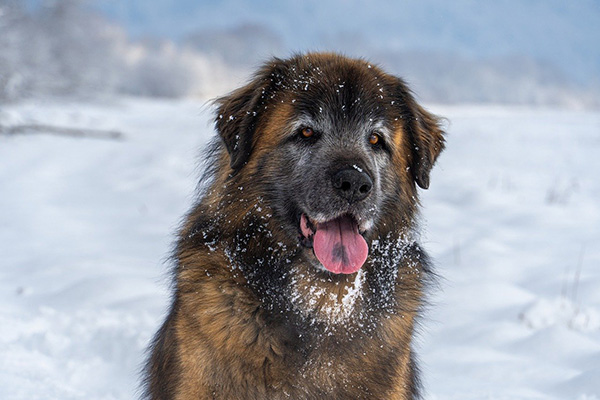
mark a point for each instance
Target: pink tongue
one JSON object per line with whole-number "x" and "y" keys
{"x": 339, "y": 246}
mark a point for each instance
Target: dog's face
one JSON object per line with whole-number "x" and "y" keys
{"x": 336, "y": 146}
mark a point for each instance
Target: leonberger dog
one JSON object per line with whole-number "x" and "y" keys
{"x": 298, "y": 273}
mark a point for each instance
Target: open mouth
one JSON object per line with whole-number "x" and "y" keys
{"x": 337, "y": 243}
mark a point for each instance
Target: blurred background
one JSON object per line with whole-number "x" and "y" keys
{"x": 539, "y": 52}
{"x": 103, "y": 115}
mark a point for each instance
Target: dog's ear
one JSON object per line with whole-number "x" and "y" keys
{"x": 238, "y": 113}
{"x": 425, "y": 133}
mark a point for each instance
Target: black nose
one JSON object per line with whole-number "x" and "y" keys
{"x": 353, "y": 184}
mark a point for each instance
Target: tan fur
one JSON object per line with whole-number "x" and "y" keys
{"x": 319, "y": 336}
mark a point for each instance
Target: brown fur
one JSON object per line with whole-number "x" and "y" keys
{"x": 252, "y": 318}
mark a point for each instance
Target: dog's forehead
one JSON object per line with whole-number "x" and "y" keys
{"x": 336, "y": 92}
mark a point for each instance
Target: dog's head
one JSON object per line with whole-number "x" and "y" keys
{"x": 337, "y": 147}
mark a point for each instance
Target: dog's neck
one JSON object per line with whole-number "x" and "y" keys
{"x": 259, "y": 251}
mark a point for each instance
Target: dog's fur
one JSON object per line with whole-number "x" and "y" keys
{"x": 254, "y": 314}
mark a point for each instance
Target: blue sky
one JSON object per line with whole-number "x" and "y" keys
{"x": 555, "y": 31}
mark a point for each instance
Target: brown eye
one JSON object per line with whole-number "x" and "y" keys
{"x": 374, "y": 139}
{"x": 308, "y": 132}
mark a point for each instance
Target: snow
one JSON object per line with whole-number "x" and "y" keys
{"x": 512, "y": 220}
{"x": 309, "y": 304}
{"x": 85, "y": 228}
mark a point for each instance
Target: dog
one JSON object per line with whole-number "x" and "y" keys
{"x": 298, "y": 273}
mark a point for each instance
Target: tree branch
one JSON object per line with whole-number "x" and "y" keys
{"x": 61, "y": 131}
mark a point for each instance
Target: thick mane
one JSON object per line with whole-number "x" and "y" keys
{"x": 298, "y": 272}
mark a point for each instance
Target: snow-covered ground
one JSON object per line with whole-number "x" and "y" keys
{"x": 512, "y": 219}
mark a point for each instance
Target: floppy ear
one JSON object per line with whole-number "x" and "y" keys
{"x": 238, "y": 113}
{"x": 426, "y": 136}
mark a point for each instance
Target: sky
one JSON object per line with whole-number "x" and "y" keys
{"x": 535, "y": 52}
{"x": 564, "y": 34}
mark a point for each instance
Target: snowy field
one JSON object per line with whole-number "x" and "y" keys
{"x": 512, "y": 219}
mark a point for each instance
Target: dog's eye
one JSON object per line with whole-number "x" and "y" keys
{"x": 306, "y": 136}
{"x": 375, "y": 139}
{"x": 308, "y": 132}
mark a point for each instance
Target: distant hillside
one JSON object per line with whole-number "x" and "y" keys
{"x": 542, "y": 52}
{"x": 565, "y": 34}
